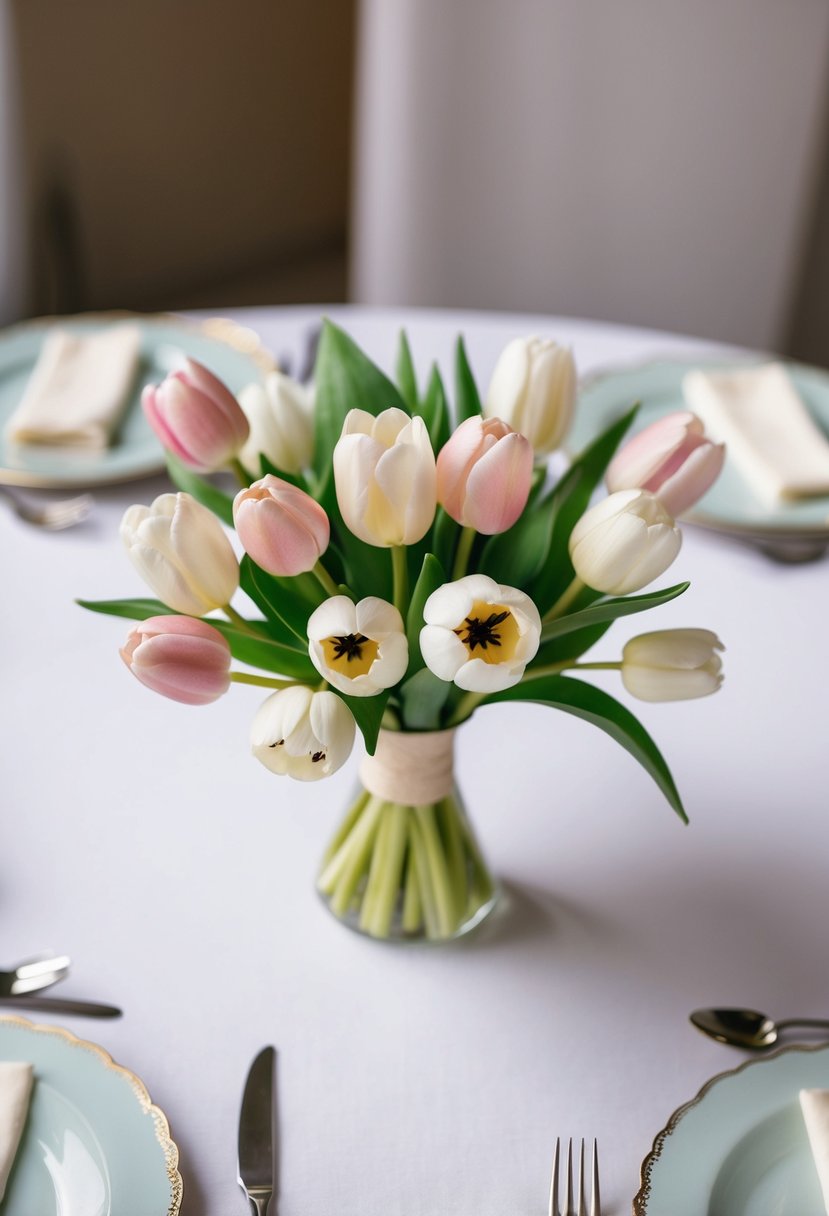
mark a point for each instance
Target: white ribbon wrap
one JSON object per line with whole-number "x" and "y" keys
{"x": 815, "y": 1106}
{"x": 412, "y": 768}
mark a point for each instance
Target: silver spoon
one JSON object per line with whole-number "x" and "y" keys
{"x": 33, "y": 974}
{"x": 748, "y": 1028}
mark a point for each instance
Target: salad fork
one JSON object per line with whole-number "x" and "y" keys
{"x": 570, "y": 1208}
{"x": 54, "y": 515}
{"x": 33, "y": 974}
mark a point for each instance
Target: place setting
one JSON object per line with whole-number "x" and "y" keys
{"x": 377, "y": 562}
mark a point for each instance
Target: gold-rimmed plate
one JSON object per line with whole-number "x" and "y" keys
{"x": 739, "y": 1148}
{"x": 93, "y": 1144}
{"x": 230, "y": 351}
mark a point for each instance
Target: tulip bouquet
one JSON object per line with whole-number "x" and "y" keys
{"x": 403, "y": 565}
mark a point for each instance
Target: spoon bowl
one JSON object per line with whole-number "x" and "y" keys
{"x": 748, "y": 1028}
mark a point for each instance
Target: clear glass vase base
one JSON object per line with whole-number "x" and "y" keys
{"x": 397, "y": 934}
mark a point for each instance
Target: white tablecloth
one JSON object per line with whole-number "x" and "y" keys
{"x": 140, "y": 837}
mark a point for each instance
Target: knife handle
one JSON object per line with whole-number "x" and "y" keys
{"x": 48, "y": 1004}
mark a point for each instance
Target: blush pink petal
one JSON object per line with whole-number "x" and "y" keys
{"x": 181, "y": 658}
{"x": 499, "y": 484}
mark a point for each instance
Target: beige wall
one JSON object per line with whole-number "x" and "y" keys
{"x": 188, "y": 142}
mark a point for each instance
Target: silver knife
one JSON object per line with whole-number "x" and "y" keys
{"x": 59, "y": 1004}
{"x": 257, "y": 1160}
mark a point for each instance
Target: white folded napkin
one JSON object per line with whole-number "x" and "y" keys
{"x": 15, "y": 1090}
{"x": 767, "y": 430}
{"x": 814, "y": 1104}
{"x": 78, "y": 389}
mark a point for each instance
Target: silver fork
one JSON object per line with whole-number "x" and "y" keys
{"x": 570, "y": 1208}
{"x": 33, "y": 974}
{"x": 55, "y": 515}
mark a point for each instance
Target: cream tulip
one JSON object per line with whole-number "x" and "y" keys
{"x": 479, "y": 634}
{"x": 358, "y": 648}
{"x": 672, "y": 665}
{"x": 303, "y": 734}
{"x": 182, "y": 552}
{"x": 384, "y": 473}
{"x": 533, "y": 388}
{"x": 624, "y": 542}
{"x": 281, "y": 418}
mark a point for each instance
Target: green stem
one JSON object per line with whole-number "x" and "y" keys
{"x": 241, "y": 472}
{"x": 449, "y": 823}
{"x": 400, "y": 571}
{"x": 344, "y": 830}
{"x": 325, "y": 579}
{"x": 564, "y": 600}
{"x": 386, "y": 874}
{"x": 438, "y": 872}
{"x": 465, "y": 707}
{"x": 243, "y": 677}
{"x": 412, "y": 916}
{"x": 615, "y": 666}
{"x": 362, "y": 844}
{"x": 465, "y": 543}
{"x": 239, "y": 621}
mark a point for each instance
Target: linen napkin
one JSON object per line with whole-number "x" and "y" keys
{"x": 767, "y": 429}
{"x": 78, "y": 389}
{"x": 814, "y": 1103}
{"x": 15, "y": 1091}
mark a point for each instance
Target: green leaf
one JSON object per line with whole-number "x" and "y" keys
{"x": 593, "y": 705}
{"x": 293, "y": 479}
{"x": 201, "y": 489}
{"x": 405, "y": 371}
{"x": 133, "y": 610}
{"x": 445, "y": 536}
{"x": 570, "y": 499}
{"x": 346, "y": 379}
{"x": 435, "y": 411}
{"x": 368, "y": 714}
{"x": 610, "y": 610}
{"x": 467, "y": 399}
{"x": 285, "y": 601}
{"x": 514, "y": 557}
{"x": 424, "y": 696}
{"x": 430, "y": 578}
{"x": 265, "y": 653}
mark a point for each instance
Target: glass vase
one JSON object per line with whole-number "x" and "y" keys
{"x": 404, "y": 864}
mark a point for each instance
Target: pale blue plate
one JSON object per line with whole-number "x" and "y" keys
{"x": 730, "y": 505}
{"x": 93, "y": 1144}
{"x": 740, "y": 1147}
{"x": 231, "y": 352}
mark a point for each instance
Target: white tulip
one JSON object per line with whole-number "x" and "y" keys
{"x": 281, "y": 417}
{"x": 533, "y": 388}
{"x": 181, "y": 550}
{"x": 306, "y": 735}
{"x": 358, "y": 648}
{"x": 672, "y": 665}
{"x": 384, "y": 472}
{"x": 479, "y": 634}
{"x": 624, "y": 542}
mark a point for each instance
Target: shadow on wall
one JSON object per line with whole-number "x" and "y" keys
{"x": 184, "y": 155}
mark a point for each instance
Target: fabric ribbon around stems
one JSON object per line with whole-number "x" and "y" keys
{"x": 412, "y": 768}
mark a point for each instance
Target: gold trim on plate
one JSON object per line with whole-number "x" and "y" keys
{"x": 160, "y": 1125}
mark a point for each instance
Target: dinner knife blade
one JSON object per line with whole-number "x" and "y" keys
{"x": 257, "y": 1161}
{"x": 56, "y": 1004}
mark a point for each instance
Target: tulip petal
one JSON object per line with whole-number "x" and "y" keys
{"x": 443, "y": 651}
{"x": 335, "y": 617}
{"x": 376, "y": 618}
{"x": 478, "y": 676}
{"x": 498, "y": 485}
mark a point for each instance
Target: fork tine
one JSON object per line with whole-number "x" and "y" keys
{"x": 582, "y": 1197}
{"x": 568, "y": 1196}
{"x": 595, "y": 1202}
{"x": 554, "y": 1182}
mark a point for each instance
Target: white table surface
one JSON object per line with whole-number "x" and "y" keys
{"x": 140, "y": 837}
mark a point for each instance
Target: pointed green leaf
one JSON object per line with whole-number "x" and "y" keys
{"x": 435, "y": 411}
{"x": 289, "y": 601}
{"x": 368, "y": 714}
{"x": 467, "y": 398}
{"x": 424, "y": 696}
{"x": 445, "y": 536}
{"x": 262, "y": 651}
{"x": 346, "y": 379}
{"x": 405, "y": 371}
{"x": 610, "y": 610}
{"x": 132, "y": 610}
{"x": 594, "y": 705}
{"x": 204, "y": 491}
{"x": 430, "y": 578}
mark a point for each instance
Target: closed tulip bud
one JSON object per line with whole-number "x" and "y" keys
{"x": 484, "y": 473}
{"x": 181, "y": 658}
{"x": 280, "y": 414}
{"x": 384, "y": 472}
{"x": 672, "y": 665}
{"x": 182, "y": 552}
{"x": 306, "y": 735}
{"x": 358, "y": 648}
{"x": 624, "y": 542}
{"x": 282, "y": 528}
{"x": 672, "y": 458}
{"x": 533, "y": 388}
{"x": 479, "y": 634}
{"x": 196, "y": 417}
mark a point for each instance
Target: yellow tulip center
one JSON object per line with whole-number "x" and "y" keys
{"x": 489, "y": 632}
{"x": 352, "y": 654}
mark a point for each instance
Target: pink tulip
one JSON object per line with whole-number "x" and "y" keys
{"x": 180, "y": 657}
{"x": 672, "y": 459}
{"x": 196, "y": 417}
{"x": 484, "y": 475}
{"x": 283, "y": 529}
